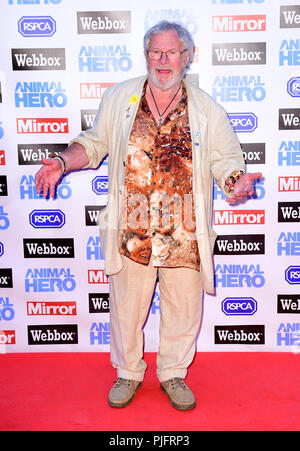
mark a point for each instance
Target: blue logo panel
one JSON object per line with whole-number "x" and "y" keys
{"x": 243, "y": 122}
{"x": 239, "y": 306}
{"x": 100, "y": 185}
{"x": 47, "y": 219}
{"x": 292, "y": 275}
{"x": 293, "y": 87}
{"x": 37, "y": 26}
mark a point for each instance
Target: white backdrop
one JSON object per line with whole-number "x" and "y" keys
{"x": 57, "y": 57}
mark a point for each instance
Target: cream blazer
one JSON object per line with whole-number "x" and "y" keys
{"x": 216, "y": 153}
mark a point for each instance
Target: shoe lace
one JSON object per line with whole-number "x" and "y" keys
{"x": 120, "y": 381}
{"x": 178, "y": 382}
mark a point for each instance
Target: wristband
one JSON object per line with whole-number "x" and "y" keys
{"x": 61, "y": 159}
{"x": 232, "y": 179}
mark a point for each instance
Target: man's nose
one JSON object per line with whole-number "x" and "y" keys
{"x": 163, "y": 58}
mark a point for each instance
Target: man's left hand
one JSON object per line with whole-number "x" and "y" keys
{"x": 244, "y": 187}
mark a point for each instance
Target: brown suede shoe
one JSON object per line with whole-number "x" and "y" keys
{"x": 180, "y": 396}
{"x": 122, "y": 392}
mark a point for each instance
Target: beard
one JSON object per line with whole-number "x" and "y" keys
{"x": 165, "y": 85}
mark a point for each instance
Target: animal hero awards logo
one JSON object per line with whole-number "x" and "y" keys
{"x": 289, "y": 52}
{"x": 185, "y": 17}
{"x": 235, "y": 88}
{"x": 104, "y": 58}
{"x": 238, "y": 276}
{"x": 289, "y": 153}
{"x": 49, "y": 280}
{"x": 40, "y": 95}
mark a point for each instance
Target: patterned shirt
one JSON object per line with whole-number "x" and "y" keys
{"x": 157, "y": 214}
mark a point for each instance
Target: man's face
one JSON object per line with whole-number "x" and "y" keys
{"x": 164, "y": 74}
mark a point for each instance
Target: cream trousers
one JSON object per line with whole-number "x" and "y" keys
{"x": 181, "y": 298}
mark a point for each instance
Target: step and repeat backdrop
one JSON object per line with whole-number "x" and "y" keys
{"x": 57, "y": 59}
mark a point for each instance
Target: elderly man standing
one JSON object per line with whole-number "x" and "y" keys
{"x": 166, "y": 140}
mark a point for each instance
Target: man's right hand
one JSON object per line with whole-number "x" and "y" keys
{"x": 48, "y": 176}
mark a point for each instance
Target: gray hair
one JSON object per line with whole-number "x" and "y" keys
{"x": 183, "y": 34}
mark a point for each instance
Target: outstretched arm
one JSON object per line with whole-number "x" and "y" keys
{"x": 75, "y": 157}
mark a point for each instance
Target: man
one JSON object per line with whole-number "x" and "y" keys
{"x": 166, "y": 140}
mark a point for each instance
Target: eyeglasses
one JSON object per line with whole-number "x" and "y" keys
{"x": 172, "y": 55}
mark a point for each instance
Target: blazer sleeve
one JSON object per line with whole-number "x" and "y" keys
{"x": 226, "y": 155}
{"x": 95, "y": 140}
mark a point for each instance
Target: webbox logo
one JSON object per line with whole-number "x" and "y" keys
{"x": 29, "y": 154}
{"x": 48, "y": 247}
{"x": 239, "y": 245}
{"x": 53, "y": 334}
{"x": 245, "y": 334}
{"x": 104, "y": 22}
{"x": 245, "y": 53}
{"x": 38, "y": 59}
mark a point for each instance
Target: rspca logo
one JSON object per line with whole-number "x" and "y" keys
{"x": 104, "y": 58}
{"x": 100, "y": 185}
{"x": 40, "y": 95}
{"x": 239, "y": 89}
{"x": 292, "y": 275}
{"x": 239, "y": 306}
{"x": 47, "y": 219}
{"x": 37, "y": 27}
{"x": 293, "y": 87}
{"x": 243, "y": 122}
{"x": 289, "y": 153}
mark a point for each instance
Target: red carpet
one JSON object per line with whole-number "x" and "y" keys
{"x": 68, "y": 392}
